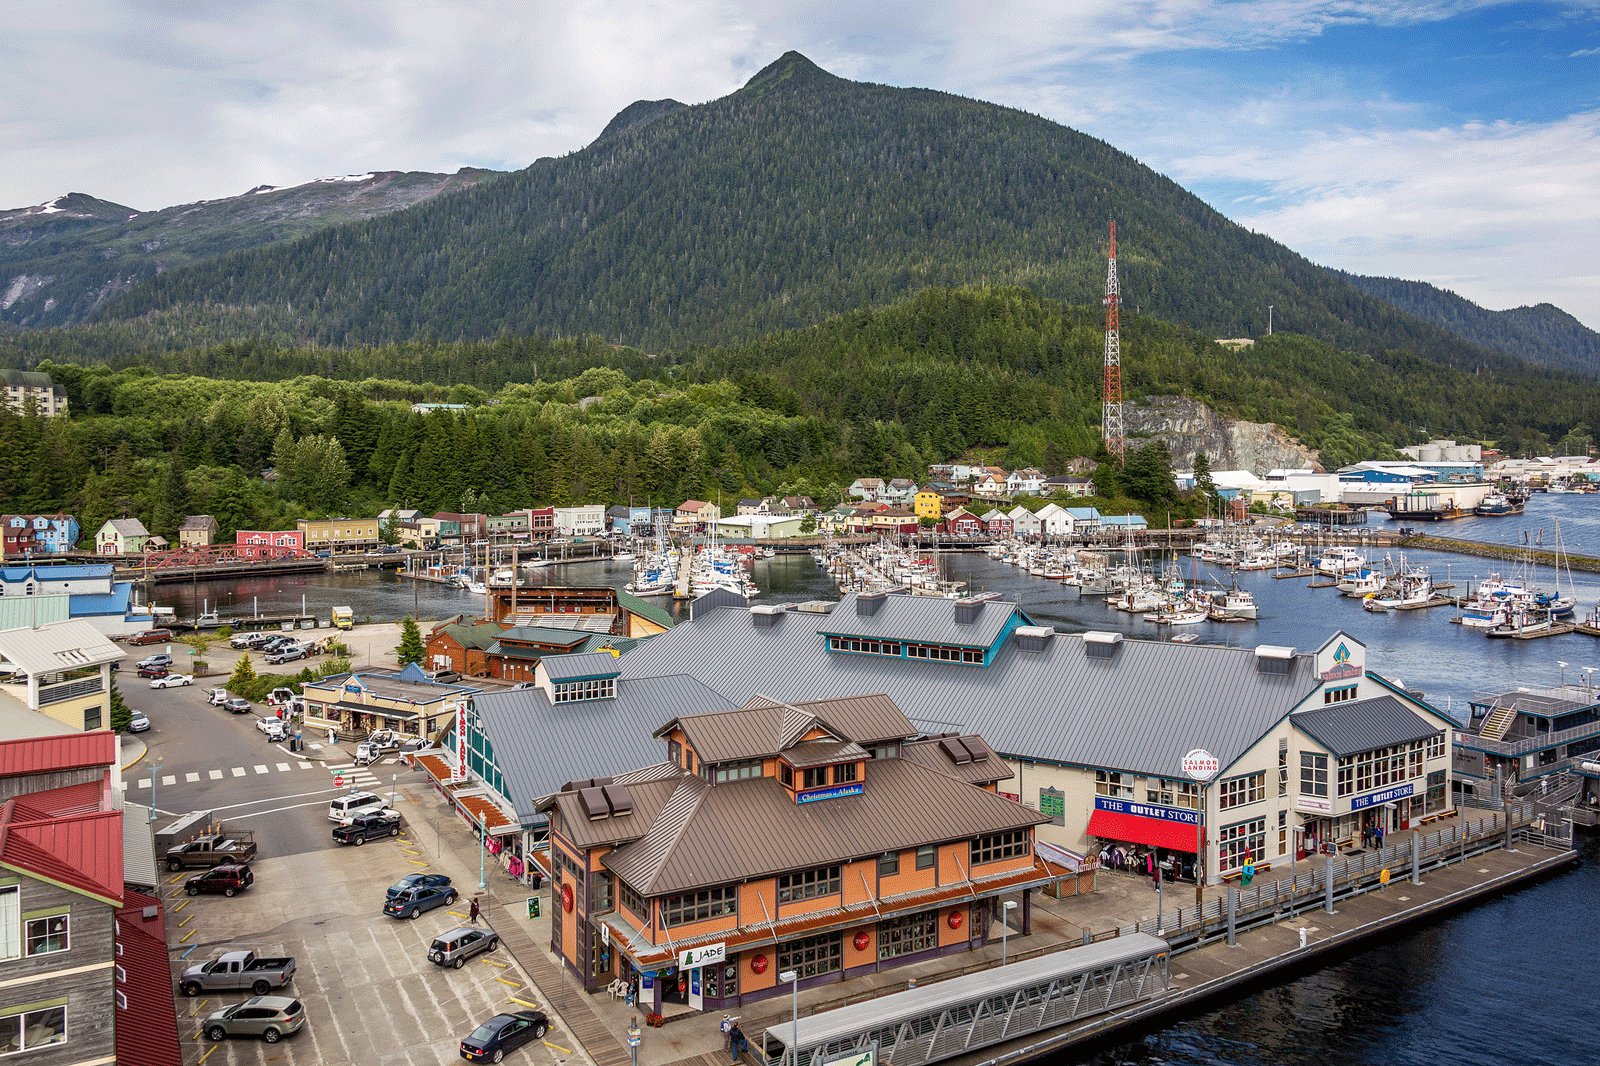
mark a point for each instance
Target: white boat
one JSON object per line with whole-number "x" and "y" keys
{"x": 1336, "y": 562}
{"x": 1362, "y": 582}
{"x": 623, "y": 557}
{"x": 1233, "y": 603}
{"x": 503, "y": 579}
{"x": 477, "y": 588}
{"x": 1521, "y": 622}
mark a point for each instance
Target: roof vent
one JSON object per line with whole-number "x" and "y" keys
{"x": 816, "y": 607}
{"x": 1033, "y": 638}
{"x": 1101, "y": 645}
{"x": 618, "y": 799}
{"x": 867, "y": 603}
{"x": 594, "y": 803}
{"x": 150, "y": 913}
{"x": 955, "y": 751}
{"x": 967, "y": 611}
{"x": 1274, "y": 658}
{"x": 766, "y": 614}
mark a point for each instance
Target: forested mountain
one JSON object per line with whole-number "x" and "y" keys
{"x": 799, "y": 196}
{"x": 61, "y": 260}
{"x": 885, "y": 391}
{"x": 1542, "y": 333}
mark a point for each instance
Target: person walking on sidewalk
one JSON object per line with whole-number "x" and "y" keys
{"x": 473, "y": 913}
{"x": 737, "y": 1042}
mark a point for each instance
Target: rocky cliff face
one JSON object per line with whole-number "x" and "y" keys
{"x": 1189, "y": 426}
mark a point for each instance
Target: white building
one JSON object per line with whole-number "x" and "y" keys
{"x": 1024, "y": 523}
{"x": 588, "y": 520}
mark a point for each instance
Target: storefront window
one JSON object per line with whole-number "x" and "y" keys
{"x": 721, "y": 981}
{"x": 908, "y": 935}
{"x": 1172, "y": 793}
{"x": 1313, "y": 773}
{"x": 1379, "y": 769}
{"x": 808, "y": 884}
{"x": 1436, "y": 746}
{"x": 812, "y": 956}
{"x": 698, "y": 906}
{"x": 1436, "y": 798}
{"x": 1113, "y": 783}
{"x": 1236, "y": 841}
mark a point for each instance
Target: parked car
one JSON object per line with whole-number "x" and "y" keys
{"x": 151, "y": 636}
{"x": 454, "y": 947}
{"x": 344, "y": 809}
{"x": 235, "y": 971}
{"x": 279, "y": 696}
{"x": 152, "y": 671}
{"x": 217, "y": 697}
{"x": 444, "y": 677}
{"x": 236, "y": 705}
{"x": 227, "y": 879}
{"x": 137, "y": 722}
{"x": 365, "y": 827}
{"x": 287, "y": 654}
{"x": 269, "y": 724}
{"x": 213, "y": 849}
{"x": 167, "y": 680}
{"x": 155, "y": 660}
{"x": 410, "y": 881}
{"x": 242, "y": 641}
{"x": 269, "y": 1017}
{"x": 413, "y": 901}
{"x": 490, "y": 1041}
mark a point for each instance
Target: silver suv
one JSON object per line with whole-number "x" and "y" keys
{"x": 454, "y": 947}
{"x": 269, "y": 1017}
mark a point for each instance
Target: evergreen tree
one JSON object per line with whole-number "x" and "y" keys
{"x": 243, "y": 678}
{"x": 410, "y": 649}
{"x": 121, "y": 716}
{"x": 1202, "y": 476}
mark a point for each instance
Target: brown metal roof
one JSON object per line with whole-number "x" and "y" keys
{"x": 863, "y": 719}
{"x": 766, "y": 727}
{"x": 977, "y": 771}
{"x": 712, "y": 835}
{"x": 648, "y": 800}
{"x": 823, "y": 753}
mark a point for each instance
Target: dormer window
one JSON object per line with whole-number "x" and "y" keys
{"x": 595, "y": 688}
{"x": 736, "y": 771}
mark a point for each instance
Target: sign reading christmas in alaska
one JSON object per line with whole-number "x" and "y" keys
{"x": 1341, "y": 659}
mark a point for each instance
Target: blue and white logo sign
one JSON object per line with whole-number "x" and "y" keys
{"x": 818, "y": 794}
{"x": 1147, "y": 810}
{"x": 1378, "y": 799}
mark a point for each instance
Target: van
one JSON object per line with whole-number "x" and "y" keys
{"x": 454, "y": 947}
{"x": 345, "y": 808}
{"x": 151, "y": 636}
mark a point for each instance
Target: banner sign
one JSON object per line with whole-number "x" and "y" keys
{"x": 818, "y": 794}
{"x": 1378, "y": 799}
{"x": 1147, "y": 810}
{"x": 710, "y": 955}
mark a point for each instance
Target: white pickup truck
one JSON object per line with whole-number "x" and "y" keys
{"x": 237, "y": 970}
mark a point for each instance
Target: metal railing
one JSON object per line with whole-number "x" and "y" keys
{"x": 68, "y": 690}
{"x": 1525, "y": 745}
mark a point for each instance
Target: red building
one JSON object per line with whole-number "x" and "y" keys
{"x": 260, "y": 543}
{"x": 542, "y": 522}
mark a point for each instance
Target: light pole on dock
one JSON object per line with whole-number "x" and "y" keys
{"x": 1201, "y": 766}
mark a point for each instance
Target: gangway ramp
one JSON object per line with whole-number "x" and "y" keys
{"x": 953, "y": 1017}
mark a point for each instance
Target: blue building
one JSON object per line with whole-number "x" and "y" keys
{"x": 1119, "y": 523}
{"x": 25, "y": 535}
{"x": 88, "y": 591}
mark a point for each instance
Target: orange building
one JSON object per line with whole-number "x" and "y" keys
{"x": 819, "y": 837}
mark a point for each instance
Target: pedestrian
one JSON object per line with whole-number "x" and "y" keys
{"x": 736, "y": 1042}
{"x": 474, "y": 911}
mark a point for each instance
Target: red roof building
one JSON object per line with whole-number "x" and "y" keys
{"x": 147, "y": 1017}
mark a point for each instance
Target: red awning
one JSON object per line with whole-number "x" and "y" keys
{"x": 1152, "y": 832}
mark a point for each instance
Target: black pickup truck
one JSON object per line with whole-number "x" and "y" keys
{"x": 365, "y": 827}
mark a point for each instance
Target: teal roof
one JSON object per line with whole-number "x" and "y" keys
{"x": 644, "y": 609}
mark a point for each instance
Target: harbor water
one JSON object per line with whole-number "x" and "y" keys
{"x": 1510, "y": 980}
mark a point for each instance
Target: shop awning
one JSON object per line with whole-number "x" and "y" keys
{"x": 1133, "y": 829}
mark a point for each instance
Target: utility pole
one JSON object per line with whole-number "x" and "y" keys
{"x": 1112, "y": 431}
{"x": 1269, "y": 320}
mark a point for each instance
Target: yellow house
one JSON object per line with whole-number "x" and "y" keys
{"x": 928, "y": 505}
{"x": 68, "y": 670}
{"x": 339, "y": 534}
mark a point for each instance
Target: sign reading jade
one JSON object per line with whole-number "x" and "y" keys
{"x": 710, "y": 955}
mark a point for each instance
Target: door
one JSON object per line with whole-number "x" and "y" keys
{"x": 697, "y": 998}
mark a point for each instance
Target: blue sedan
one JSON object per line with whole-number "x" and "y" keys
{"x": 410, "y": 881}
{"x": 413, "y": 901}
{"x": 490, "y": 1041}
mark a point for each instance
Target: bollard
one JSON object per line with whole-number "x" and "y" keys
{"x": 1233, "y": 914}
{"x": 1508, "y": 830}
{"x": 1416, "y": 860}
{"x": 1302, "y": 937}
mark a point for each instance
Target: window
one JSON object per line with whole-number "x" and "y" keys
{"x": 816, "y": 777}
{"x": 1313, "y": 773}
{"x": 1339, "y": 695}
{"x": 698, "y": 906}
{"x": 1238, "y": 791}
{"x": 600, "y": 896}
{"x": 1236, "y": 841}
{"x": 864, "y": 647}
{"x": 890, "y": 750}
{"x": 634, "y": 902}
{"x": 812, "y": 956}
{"x": 47, "y": 935}
{"x": 945, "y": 653}
{"x": 1434, "y": 799}
{"x": 926, "y": 856}
{"x": 1113, "y": 783}
{"x": 675, "y": 753}
{"x": 737, "y": 771}
{"x": 786, "y": 775}
{"x": 808, "y": 884}
{"x": 1436, "y": 746}
{"x": 1283, "y": 767}
{"x": 997, "y": 846}
{"x": 844, "y": 773}
{"x": 10, "y": 922}
{"x": 597, "y": 688}
{"x": 27, "y": 1030}
{"x": 908, "y": 935}
{"x": 888, "y": 864}
{"x": 1378, "y": 769}
{"x": 93, "y": 718}
{"x": 1172, "y": 793}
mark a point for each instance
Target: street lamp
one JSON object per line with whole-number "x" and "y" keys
{"x": 1005, "y": 926}
{"x": 793, "y": 977}
{"x": 394, "y": 782}
{"x": 155, "y": 779}
{"x": 1201, "y": 766}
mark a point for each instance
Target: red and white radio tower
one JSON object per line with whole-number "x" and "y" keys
{"x": 1111, "y": 429}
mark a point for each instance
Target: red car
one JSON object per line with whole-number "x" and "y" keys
{"x": 153, "y": 671}
{"x": 228, "y": 879}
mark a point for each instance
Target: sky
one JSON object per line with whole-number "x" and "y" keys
{"x": 1450, "y": 141}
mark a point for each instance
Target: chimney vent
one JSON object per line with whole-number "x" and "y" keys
{"x": 967, "y": 611}
{"x": 868, "y": 603}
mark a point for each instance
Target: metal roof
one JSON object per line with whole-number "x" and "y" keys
{"x": 764, "y": 727}
{"x": 146, "y": 1020}
{"x": 920, "y": 619}
{"x": 717, "y": 834}
{"x": 539, "y": 746}
{"x": 1365, "y": 725}
{"x": 1139, "y": 710}
{"x": 70, "y": 751}
{"x": 934, "y": 754}
{"x": 58, "y": 647}
{"x": 138, "y": 847}
{"x": 818, "y": 1029}
{"x": 580, "y": 665}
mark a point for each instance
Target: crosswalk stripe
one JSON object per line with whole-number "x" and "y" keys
{"x": 215, "y": 775}
{"x": 262, "y": 768}
{"x": 191, "y": 777}
{"x": 169, "y": 779}
{"x": 238, "y": 771}
{"x": 305, "y": 766}
{"x": 340, "y": 765}
{"x": 283, "y": 766}
{"x": 144, "y": 782}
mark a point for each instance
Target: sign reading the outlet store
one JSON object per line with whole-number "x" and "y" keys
{"x": 1378, "y": 799}
{"x": 1147, "y": 810}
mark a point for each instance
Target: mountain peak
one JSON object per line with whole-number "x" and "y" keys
{"x": 639, "y": 113}
{"x": 791, "y": 67}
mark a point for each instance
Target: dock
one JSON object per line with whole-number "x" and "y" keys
{"x": 683, "y": 584}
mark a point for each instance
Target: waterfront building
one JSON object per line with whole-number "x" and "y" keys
{"x": 1097, "y": 726}
{"x": 508, "y": 653}
{"x": 121, "y": 536}
{"x": 695, "y": 513}
{"x": 515, "y": 526}
{"x": 997, "y": 523}
{"x": 267, "y": 543}
{"x": 1086, "y": 521}
{"x": 339, "y": 534}
{"x": 928, "y": 504}
{"x": 35, "y": 594}
{"x": 61, "y": 670}
{"x": 405, "y": 701}
{"x": 866, "y": 488}
{"x": 1520, "y": 736}
{"x": 20, "y": 388}
{"x": 1024, "y": 523}
{"x": 760, "y": 526}
{"x": 963, "y": 523}
{"x": 1054, "y": 521}
{"x": 25, "y": 535}
{"x": 456, "y": 528}
{"x": 197, "y": 531}
{"x": 588, "y": 520}
{"x": 587, "y": 609}
{"x": 817, "y": 836}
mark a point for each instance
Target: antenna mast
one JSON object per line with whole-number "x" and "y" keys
{"x": 1111, "y": 428}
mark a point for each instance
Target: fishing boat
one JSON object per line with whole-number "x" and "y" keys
{"x": 1362, "y": 582}
{"x": 1409, "y": 588}
{"x": 1335, "y": 562}
{"x": 1524, "y": 622}
{"x": 1498, "y": 505}
{"x": 1373, "y": 604}
{"x": 1232, "y": 604}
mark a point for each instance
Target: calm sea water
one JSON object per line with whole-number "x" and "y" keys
{"x": 1512, "y": 980}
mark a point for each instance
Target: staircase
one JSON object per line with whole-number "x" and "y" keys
{"x": 1494, "y": 727}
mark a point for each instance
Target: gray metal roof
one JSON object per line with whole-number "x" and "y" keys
{"x": 1366, "y": 725}
{"x": 887, "y": 1011}
{"x": 58, "y": 647}
{"x": 539, "y": 746}
{"x": 574, "y": 667}
{"x": 1139, "y": 710}
{"x": 921, "y": 619}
